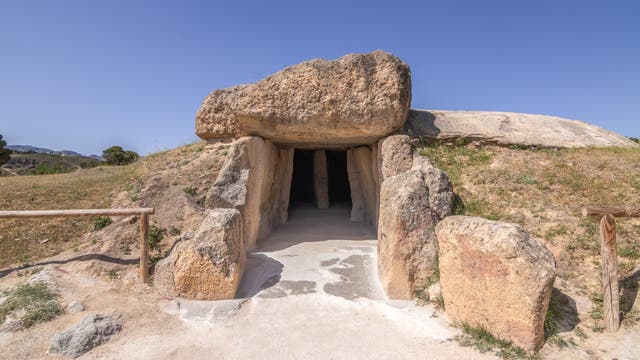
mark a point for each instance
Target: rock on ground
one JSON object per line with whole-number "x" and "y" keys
{"x": 506, "y": 128}
{"x": 75, "y": 307}
{"x": 91, "y": 331}
{"x": 353, "y": 100}
{"x": 209, "y": 266}
{"x": 494, "y": 275}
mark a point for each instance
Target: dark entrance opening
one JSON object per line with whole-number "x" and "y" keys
{"x": 302, "y": 179}
{"x": 302, "y": 191}
{"x": 339, "y": 189}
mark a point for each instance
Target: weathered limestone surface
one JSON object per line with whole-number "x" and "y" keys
{"x": 407, "y": 247}
{"x": 441, "y": 195}
{"x": 91, "y": 331}
{"x": 209, "y": 266}
{"x": 320, "y": 179}
{"x": 353, "y": 100}
{"x": 494, "y": 275}
{"x": 364, "y": 191}
{"x": 395, "y": 155}
{"x": 506, "y": 128}
{"x": 255, "y": 179}
{"x": 414, "y": 197}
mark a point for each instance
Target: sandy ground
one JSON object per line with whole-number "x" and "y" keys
{"x": 310, "y": 292}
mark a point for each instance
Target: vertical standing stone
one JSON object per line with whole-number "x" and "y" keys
{"x": 320, "y": 179}
{"x": 358, "y": 208}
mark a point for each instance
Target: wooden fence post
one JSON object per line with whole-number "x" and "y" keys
{"x": 611, "y": 299}
{"x": 144, "y": 247}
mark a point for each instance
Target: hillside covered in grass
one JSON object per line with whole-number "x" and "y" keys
{"x": 544, "y": 190}
{"x": 152, "y": 181}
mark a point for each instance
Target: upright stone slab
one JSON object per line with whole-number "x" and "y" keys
{"x": 407, "y": 247}
{"x": 320, "y": 179}
{"x": 395, "y": 155}
{"x": 494, "y": 275}
{"x": 255, "y": 179}
{"x": 209, "y": 266}
{"x": 364, "y": 192}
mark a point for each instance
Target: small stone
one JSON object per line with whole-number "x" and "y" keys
{"x": 75, "y": 307}
{"x": 91, "y": 331}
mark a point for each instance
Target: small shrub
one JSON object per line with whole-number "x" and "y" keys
{"x": 101, "y": 222}
{"x": 174, "y": 231}
{"x": 113, "y": 274}
{"x": 156, "y": 235}
{"x": 125, "y": 248}
{"x": 36, "y": 300}
{"x": 189, "y": 191}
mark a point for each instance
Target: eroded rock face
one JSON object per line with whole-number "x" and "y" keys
{"x": 256, "y": 180}
{"x": 407, "y": 247}
{"x": 494, "y": 275}
{"x": 353, "y": 100}
{"x": 209, "y": 266}
{"x": 91, "y": 331}
{"x": 441, "y": 195}
{"x": 414, "y": 197}
{"x": 395, "y": 155}
{"x": 507, "y": 128}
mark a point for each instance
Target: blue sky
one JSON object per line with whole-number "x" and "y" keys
{"x": 84, "y": 75}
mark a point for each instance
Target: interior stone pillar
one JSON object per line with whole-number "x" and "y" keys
{"x": 320, "y": 179}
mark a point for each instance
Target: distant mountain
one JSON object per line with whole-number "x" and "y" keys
{"x": 39, "y": 150}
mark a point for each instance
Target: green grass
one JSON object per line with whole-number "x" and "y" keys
{"x": 484, "y": 341}
{"x": 37, "y": 301}
{"x": 550, "y": 320}
{"x": 156, "y": 235}
{"x": 101, "y": 222}
{"x": 189, "y": 191}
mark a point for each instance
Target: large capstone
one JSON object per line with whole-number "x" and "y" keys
{"x": 353, "y": 100}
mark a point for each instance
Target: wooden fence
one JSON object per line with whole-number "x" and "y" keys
{"x": 609, "y": 253}
{"x": 144, "y": 225}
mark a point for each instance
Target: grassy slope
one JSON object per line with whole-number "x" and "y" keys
{"x": 26, "y": 240}
{"x": 23, "y": 240}
{"x": 545, "y": 190}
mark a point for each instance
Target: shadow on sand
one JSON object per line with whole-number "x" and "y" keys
{"x": 86, "y": 257}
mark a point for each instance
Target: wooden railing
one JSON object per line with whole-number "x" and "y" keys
{"x": 144, "y": 225}
{"x": 609, "y": 253}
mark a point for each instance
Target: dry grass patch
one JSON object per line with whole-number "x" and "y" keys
{"x": 152, "y": 181}
{"x": 24, "y": 240}
{"x": 545, "y": 190}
